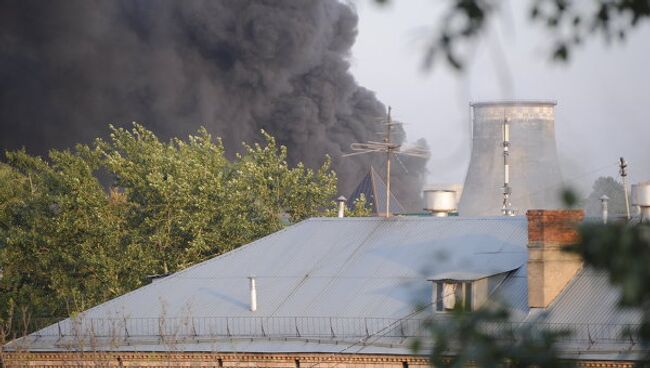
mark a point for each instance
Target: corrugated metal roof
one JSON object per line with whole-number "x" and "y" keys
{"x": 336, "y": 280}
{"x": 590, "y": 299}
{"x": 330, "y": 267}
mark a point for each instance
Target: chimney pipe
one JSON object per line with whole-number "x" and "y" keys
{"x": 341, "y": 206}
{"x": 253, "y": 293}
{"x": 603, "y": 203}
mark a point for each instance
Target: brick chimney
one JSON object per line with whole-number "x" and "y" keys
{"x": 550, "y": 268}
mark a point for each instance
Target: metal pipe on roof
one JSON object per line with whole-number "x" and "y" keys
{"x": 603, "y": 203}
{"x": 253, "y": 293}
{"x": 341, "y": 206}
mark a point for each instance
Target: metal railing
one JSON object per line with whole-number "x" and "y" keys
{"x": 314, "y": 327}
{"x": 308, "y": 327}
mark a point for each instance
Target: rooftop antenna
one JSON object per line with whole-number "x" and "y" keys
{"x": 506, "y": 208}
{"x": 622, "y": 170}
{"x": 390, "y": 148}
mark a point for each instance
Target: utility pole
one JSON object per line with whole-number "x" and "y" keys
{"x": 622, "y": 170}
{"x": 389, "y": 127}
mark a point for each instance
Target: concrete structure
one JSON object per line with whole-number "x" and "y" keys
{"x": 534, "y": 172}
{"x": 341, "y": 292}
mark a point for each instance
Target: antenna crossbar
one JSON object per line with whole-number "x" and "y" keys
{"x": 390, "y": 148}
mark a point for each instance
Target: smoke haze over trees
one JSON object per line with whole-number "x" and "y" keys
{"x": 70, "y": 67}
{"x": 611, "y": 188}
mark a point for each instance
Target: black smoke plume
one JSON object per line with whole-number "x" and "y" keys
{"x": 70, "y": 67}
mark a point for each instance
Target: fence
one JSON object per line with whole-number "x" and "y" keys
{"x": 314, "y": 327}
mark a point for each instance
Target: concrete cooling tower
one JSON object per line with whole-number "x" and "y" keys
{"x": 530, "y": 166}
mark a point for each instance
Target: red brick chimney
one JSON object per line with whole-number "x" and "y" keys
{"x": 550, "y": 268}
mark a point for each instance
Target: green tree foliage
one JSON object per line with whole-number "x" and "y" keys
{"x": 623, "y": 250}
{"x": 66, "y": 243}
{"x": 485, "y": 338}
{"x": 60, "y": 234}
{"x": 361, "y": 208}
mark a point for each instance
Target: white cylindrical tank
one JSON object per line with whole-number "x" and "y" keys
{"x": 533, "y": 166}
{"x": 641, "y": 197}
{"x": 440, "y": 202}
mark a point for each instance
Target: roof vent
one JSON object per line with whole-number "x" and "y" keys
{"x": 440, "y": 202}
{"x": 603, "y": 204}
{"x": 341, "y": 206}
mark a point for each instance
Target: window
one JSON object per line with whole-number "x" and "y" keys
{"x": 450, "y": 294}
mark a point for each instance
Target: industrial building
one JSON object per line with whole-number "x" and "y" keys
{"x": 523, "y": 134}
{"x": 344, "y": 291}
{"x": 355, "y": 292}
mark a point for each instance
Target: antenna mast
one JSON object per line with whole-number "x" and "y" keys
{"x": 390, "y": 148}
{"x": 622, "y": 170}
{"x": 506, "y": 208}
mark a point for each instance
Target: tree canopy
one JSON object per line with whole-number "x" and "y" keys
{"x": 67, "y": 242}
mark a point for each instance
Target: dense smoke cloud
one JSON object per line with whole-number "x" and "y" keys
{"x": 68, "y": 68}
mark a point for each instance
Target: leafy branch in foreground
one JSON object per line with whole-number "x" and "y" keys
{"x": 623, "y": 250}
{"x": 487, "y": 338}
{"x": 569, "y": 23}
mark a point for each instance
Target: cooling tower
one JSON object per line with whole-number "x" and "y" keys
{"x": 534, "y": 174}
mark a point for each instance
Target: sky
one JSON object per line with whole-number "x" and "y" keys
{"x": 602, "y": 94}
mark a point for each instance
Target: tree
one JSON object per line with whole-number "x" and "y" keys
{"x": 623, "y": 250}
{"x": 360, "y": 208}
{"x": 60, "y": 236}
{"x": 190, "y": 202}
{"x": 67, "y": 244}
{"x": 569, "y": 23}
{"x": 613, "y": 190}
{"x": 482, "y": 339}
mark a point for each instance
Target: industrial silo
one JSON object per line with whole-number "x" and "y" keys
{"x": 530, "y": 164}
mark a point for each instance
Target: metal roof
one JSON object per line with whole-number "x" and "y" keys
{"x": 469, "y": 276}
{"x": 513, "y": 102}
{"x": 374, "y": 189}
{"x": 590, "y": 299}
{"x": 328, "y": 283}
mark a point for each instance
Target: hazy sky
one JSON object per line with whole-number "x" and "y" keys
{"x": 603, "y": 94}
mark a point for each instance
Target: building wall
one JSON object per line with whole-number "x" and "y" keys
{"x": 269, "y": 360}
